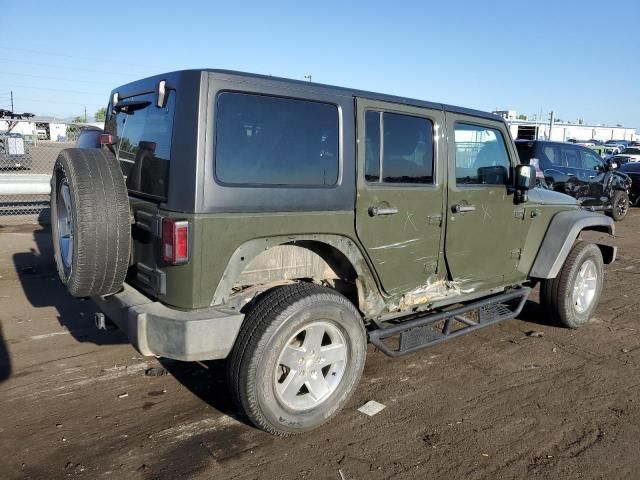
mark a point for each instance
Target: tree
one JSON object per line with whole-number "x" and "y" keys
{"x": 522, "y": 117}
{"x": 100, "y": 114}
{"x": 78, "y": 119}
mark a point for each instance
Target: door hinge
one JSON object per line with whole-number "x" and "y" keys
{"x": 516, "y": 253}
{"x": 519, "y": 213}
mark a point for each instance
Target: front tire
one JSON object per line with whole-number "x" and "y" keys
{"x": 619, "y": 205}
{"x": 571, "y": 298}
{"x": 298, "y": 358}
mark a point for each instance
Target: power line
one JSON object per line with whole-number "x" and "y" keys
{"x": 65, "y": 67}
{"x": 47, "y": 77}
{"x": 92, "y": 59}
{"x": 46, "y": 100}
{"x": 57, "y": 90}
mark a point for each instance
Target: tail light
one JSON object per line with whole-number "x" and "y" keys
{"x": 106, "y": 139}
{"x": 175, "y": 241}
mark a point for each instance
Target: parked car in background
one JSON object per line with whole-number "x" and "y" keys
{"x": 629, "y": 154}
{"x": 599, "y": 149}
{"x": 578, "y": 171}
{"x": 633, "y": 170}
{"x": 621, "y": 144}
{"x": 610, "y": 152}
{"x": 89, "y": 137}
{"x": 13, "y": 152}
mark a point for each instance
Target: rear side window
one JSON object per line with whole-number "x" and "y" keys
{"x": 400, "y": 145}
{"x": 481, "y": 156}
{"x": 263, "y": 140}
{"x": 143, "y": 142}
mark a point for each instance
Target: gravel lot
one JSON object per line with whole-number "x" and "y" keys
{"x": 78, "y": 403}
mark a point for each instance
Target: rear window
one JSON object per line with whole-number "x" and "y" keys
{"x": 143, "y": 142}
{"x": 273, "y": 141}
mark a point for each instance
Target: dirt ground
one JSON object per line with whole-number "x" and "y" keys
{"x": 79, "y": 403}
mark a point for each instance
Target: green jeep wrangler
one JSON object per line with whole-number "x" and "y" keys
{"x": 282, "y": 225}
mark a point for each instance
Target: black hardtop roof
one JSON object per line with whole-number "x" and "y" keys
{"x": 149, "y": 84}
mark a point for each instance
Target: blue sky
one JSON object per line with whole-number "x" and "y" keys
{"x": 579, "y": 58}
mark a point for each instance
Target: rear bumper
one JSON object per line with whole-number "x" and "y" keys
{"x": 155, "y": 329}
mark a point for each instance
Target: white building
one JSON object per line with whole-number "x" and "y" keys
{"x": 42, "y": 128}
{"x": 561, "y": 132}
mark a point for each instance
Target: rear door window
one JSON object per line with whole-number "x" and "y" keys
{"x": 402, "y": 145}
{"x": 571, "y": 157}
{"x": 143, "y": 142}
{"x": 272, "y": 141}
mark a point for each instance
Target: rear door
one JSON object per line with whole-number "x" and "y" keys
{"x": 485, "y": 228}
{"x": 399, "y": 206}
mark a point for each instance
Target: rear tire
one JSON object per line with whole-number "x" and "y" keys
{"x": 571, "y": 298}
{"x": 298, "y": 358}
{"x": 90, "y": 222}
{"x": 619, "y": 205}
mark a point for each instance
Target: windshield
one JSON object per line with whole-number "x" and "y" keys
{"x": 632, "y": 151}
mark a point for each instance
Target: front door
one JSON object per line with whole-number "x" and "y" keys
{"x": 485, "y": 228}
{"x": 399, "y": 206}
{"x": 593, "y": 170}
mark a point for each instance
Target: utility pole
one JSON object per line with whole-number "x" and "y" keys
{"x": 85, "y": 114}
{"x": 307, "y": 77}
{"x": 11, "y": 101}
{"x": 551, "y": 115}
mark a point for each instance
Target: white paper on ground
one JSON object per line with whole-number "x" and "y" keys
{"x": 371, "y": 408}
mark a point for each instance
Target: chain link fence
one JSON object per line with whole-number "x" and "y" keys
{"x": 28, "y": 151}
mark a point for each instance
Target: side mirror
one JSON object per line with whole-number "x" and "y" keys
{"x": 612, "y": 165}
{"x": 525, "y": 177}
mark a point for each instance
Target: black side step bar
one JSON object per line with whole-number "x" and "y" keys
{"x": 421, "y": 332}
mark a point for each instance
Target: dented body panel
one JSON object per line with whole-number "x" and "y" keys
{"x": 404, "y": 246}
{"x": 390, "y": 247}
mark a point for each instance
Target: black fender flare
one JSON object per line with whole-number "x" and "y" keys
{"x": 561, "y": 234}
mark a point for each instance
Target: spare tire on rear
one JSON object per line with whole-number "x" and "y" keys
{"x": 90, "y": 221}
